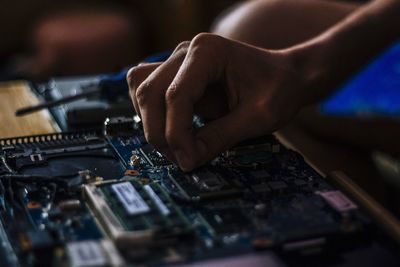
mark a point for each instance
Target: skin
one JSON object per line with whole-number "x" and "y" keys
{"x": 328, "y": 142}
{"x": 246, "y": 91}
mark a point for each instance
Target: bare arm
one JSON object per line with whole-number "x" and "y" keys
{"x": 331, "y": 57}
{"x": 259, "y": 90}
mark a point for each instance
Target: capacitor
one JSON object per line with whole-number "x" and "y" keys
{"x": 69, "y": 205}
{"x": 33, "y": 205}
{"x": 135, "y": 160}
{"x": 131, "y": 173}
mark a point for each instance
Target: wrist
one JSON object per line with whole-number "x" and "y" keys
{"x": 329, "y": 59}
{"x": 311, "y": 65}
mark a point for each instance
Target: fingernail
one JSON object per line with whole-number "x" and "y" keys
{"x": 183, "y": 160}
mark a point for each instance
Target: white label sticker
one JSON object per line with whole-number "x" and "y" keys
{"x": 130, "y": 198}
{"x": 338, "y": 200}
{"x": 160, "y": 205}
{"x": 86, "y": 254}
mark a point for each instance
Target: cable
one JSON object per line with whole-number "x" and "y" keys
{"x": 4, "y": 161}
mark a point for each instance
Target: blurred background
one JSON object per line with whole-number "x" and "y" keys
{"x": 43, "y": 38}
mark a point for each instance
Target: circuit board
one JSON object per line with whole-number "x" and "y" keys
{"x": 110, "y": 199}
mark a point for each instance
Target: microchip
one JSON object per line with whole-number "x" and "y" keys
{"x": 93, "y": 253}
{"x": 86, "y": 254}
{"x": 125, "y": 208}
{"x": 209, "y": 181}
{"x": 154, "y": 157}
{"x": 229, "y": 220}
{"x": 130, "y": 198}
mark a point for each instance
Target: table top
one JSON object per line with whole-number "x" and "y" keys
{"x": 17, "y": 94}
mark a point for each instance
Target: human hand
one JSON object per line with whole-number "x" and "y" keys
{"x": 243, "y": 91}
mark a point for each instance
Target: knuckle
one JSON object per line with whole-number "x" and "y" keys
{"x": 181, "y": 49}
{"x": 183, "y": 45}
{"x": 203, "y": 38}
{"x": 134, "y": 81}
{"x": 207, "y": 44}
{"x": 141, "y": 93}
{"x": 172, "y": 94}
{"x": 130, "y": 76}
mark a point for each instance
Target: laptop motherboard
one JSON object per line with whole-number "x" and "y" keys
{"x": 110, "y": 199}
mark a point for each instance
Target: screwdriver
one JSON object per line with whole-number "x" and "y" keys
{"x": 58, "y": 102}
{"x": 110, "y": 87}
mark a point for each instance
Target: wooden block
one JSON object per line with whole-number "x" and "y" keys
{"x": 15, "y": 95}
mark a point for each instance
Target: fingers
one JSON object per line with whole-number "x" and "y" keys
{"x": 165, "y": 96}
{"x": 254, "y": 91}
{"x": 200, "y": 68}
{"x": 150, "y": 94}
{"x": 135, "y": 77}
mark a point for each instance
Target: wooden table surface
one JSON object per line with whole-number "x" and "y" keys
{"x": 17, "y": 94}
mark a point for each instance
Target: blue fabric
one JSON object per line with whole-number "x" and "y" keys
{"x": 374, "y": 90}
{"x": 113, "y": 85}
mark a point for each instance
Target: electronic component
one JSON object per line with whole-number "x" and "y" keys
{"x": 206, "y": 183}
{"x": 154, "y": 157}
{"x": 119, "y": 126}
{"x": 135, "y": 212}
{"x": 338, "y": 200}
{"x": 70, "y": 204}
{"x": 94, "y": 253}
{"x": 110, "y": 199}
{"x": 228, "y": 220}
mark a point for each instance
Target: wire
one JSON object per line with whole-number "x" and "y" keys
{"x": 4, "y": 161}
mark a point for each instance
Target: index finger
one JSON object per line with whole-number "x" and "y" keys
{"x": 135, "y": 76}
{"x": 198, "y": 69}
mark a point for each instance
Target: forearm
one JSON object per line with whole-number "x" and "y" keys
{"x": 327, "y": 60}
